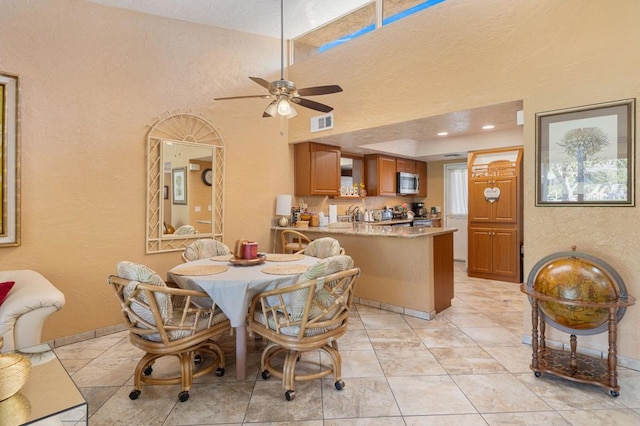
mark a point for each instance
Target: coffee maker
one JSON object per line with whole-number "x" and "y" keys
{"x": 419, "y": 210}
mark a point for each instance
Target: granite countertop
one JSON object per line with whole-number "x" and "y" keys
{"x": 383, "y": 229}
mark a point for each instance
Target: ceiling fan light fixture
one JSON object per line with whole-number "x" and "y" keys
{"x": 271, "y": 110}
{"x": 284, "y": 107}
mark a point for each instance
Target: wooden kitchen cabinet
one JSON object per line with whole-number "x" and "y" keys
{"x": 503, "y": 210}
{"x": 317, "y": 169}
{"x": 405, "y": 166}
{"x": 494, "y": 253}
{"x": 495, "y": 214}
{"x": 421, "y": 170}
{"x": 380, "y": 173}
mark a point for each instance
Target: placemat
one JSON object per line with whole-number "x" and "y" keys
{"x": 222, "y": 258}
{"x": 285, "y": 269}
{"x": 284, "y": 257}
{"x": 199, "y": 269}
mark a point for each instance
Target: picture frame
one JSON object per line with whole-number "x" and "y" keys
{"x": 166, "y": 192}
{"x": 9, "y": 161}
{"x": 179, "y": 185}
{"x": 585, "y": 156}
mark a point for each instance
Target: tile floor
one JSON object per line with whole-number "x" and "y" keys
{"x": 465, "y": 367}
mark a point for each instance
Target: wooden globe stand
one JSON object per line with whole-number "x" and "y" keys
{"x": 570, "y": 364}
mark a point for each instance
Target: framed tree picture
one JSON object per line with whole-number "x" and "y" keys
{"x": 585, "y": 156}
{"x": 9, "y": 162}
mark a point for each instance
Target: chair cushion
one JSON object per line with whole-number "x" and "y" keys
{"x": 5, "y": 288}
{"x": 202, "y": 249}
{"x": 323, "y": 247}
{"x": 325, "y": 267}
{"x": 201, "y": 324}
{"x": 142, "y": 274}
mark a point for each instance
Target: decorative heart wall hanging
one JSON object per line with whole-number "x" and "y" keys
{"x": 491, "y": 194}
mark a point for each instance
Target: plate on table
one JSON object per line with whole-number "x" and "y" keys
{"x": 199, "y": 269}
{"x": 285, "y": 269}
{"x": 284, "y": 257}
{"x": 222, "y": 258}
{"x": 246, "y": 262}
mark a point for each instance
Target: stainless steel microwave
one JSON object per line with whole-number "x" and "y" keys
{"x": 407, "y": 183}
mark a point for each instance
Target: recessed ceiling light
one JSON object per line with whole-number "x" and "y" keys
{"x": 488, "y": 127}
{"x": 443, "y": 133}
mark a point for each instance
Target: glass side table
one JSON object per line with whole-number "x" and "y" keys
{"x": 48, "y": 397}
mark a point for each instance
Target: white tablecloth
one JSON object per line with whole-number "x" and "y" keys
{"x": 233, "y": 289}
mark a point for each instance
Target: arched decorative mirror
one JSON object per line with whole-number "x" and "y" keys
{"x": 185, "y": 182}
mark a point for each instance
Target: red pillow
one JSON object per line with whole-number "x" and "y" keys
{"x": 5, "y": 288}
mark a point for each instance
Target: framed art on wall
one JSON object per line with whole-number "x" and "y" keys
{"x": 585, "y": 155}
{"x": 9, "y": 162}
{"x": 179, "y": 185}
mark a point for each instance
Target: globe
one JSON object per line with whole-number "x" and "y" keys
{"x": 576, "y": 276}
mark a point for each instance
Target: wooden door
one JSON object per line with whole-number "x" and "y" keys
{"x": 325, "y": 170}
{"x": 387, "y": 175}
{"x": 480, "y": 210}
{"x": 421, "y": 170}
{"x": 504, "y": 210}
{"x": 480, "y": 250}
{"x": 505, "y": 253}
{"x": 405, "y": 166}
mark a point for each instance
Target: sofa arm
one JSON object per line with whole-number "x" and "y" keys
{"x": 31, "y": 300}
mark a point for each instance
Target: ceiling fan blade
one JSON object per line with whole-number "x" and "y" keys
{"x": 261, "y": 81}
{"x": 307, "y": 103}
{"x": 243, "y": 97}
{"x": 319, "y": 90}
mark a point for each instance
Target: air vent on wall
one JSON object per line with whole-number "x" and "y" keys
{"x": 322, "y": 122}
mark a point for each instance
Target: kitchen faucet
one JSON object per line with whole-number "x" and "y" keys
{"x": 352, "y": 212}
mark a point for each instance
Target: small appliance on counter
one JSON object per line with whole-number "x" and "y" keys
{"x": 419, "y": 210}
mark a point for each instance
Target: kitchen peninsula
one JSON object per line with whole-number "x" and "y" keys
{"x": 403, "y": 269}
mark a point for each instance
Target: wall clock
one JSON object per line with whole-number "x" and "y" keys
{"x": 207, "y": 176}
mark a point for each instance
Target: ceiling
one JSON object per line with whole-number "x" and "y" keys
{"x": 412, "y": 139}
{"x": 251, "y": 16}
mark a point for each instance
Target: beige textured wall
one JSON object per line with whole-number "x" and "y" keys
{"x": 92, "y": 80}
{"x": 463, "y": 54}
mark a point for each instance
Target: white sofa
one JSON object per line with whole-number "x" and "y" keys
{"x": 31, "y": 300}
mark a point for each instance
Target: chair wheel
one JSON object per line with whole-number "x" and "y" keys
{"x": 290, "y": 395}
{"x": 220, "y": 372}
{"x": 537, "y": 374}
{"x": 266, "y": 375}
{"x": 339, "y": 384}
{"x": 614, "y": 393}
{"x": 183, "y": 396}
{"x": 134, "y": 394}
{"x": 197, "y": 359}
{"x": 147, "y": 371}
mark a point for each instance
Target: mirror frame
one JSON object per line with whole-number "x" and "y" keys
{"x": 185, "y": 129}
{"x": 10, "y": 162}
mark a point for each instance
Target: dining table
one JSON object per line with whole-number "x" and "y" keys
{"x": 231, "y": 283}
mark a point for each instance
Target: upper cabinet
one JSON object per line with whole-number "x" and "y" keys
{"x": 317, "y": 169}
{"x": 421, "y": 170}
{"x": 380, "y": 175}
{"x": 405, "y": 166}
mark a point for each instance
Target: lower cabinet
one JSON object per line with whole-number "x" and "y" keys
{"x": 494, "y": 253}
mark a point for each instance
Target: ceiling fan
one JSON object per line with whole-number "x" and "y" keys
{"x": 284, "y": 92}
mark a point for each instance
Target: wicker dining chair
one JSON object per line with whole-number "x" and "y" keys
{"x": 185, "y": 230}
{"x": 163, "y": 321}
{"x": 203, "y": 249}
{"x": 322, "y": 248}
{"x": 293, "y": 241}
{"x": 308, "y": 316}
